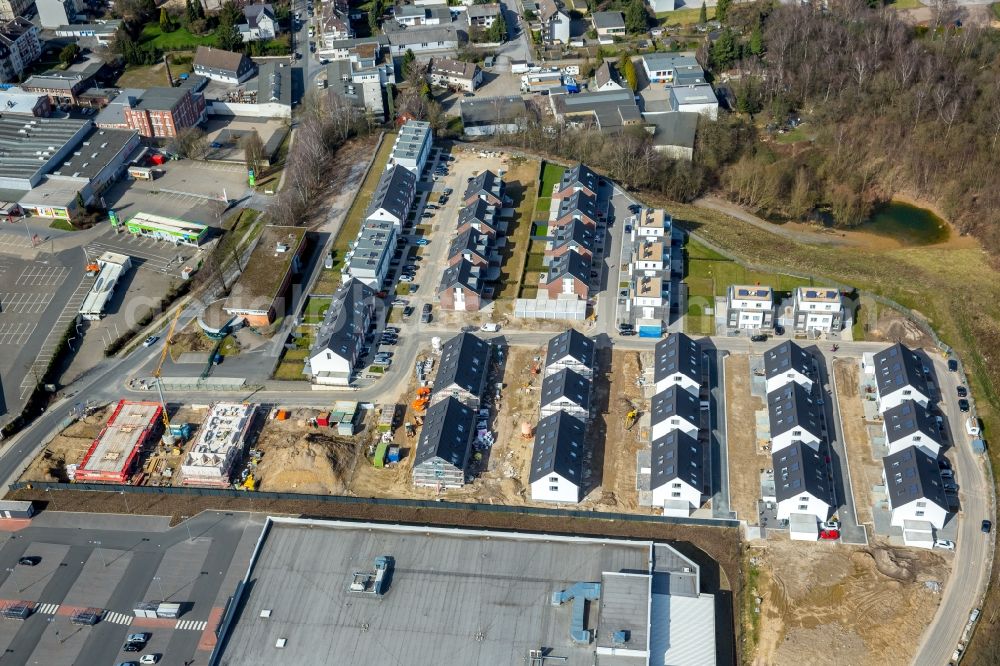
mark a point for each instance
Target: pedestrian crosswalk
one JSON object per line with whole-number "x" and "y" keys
{"x": 192, "y": 625}
{"x": 47, "y": 609}
{"x": 117, "y": 618}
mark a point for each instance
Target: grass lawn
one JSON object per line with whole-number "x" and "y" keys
{"x": 995, "y": 7}
{"x": 542, "y": 206}
{"x": 289, "y": 370}
{"x": 536, "y": 257}
{"x": 707, "y": 267}
{"x": 315, "y": 310}
{"x": 328, "y": 282}
{"x": 551, "y": 175}
{"x": 177, "y": 40}
{"x": 229, "y": 347}
{"x": 687, "y": 16}
{"x": 61, "y": 225}
{"x": 906, "y": 4}
{"x": 520, "y": 179}
{"x": 149, "y": 76}
{"x": 794, "y": 136}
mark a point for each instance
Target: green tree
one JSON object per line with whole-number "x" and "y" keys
{"x": 724, "y": 51}
{"x": 408, "y": 59}
{"x": 636, "y": 18}
{"x": 228, "y": 34}
{"x": 627, "y": 68}
{"x": 166, "y": 25}
{"x": 722, "y": 9}
{"x": 757, "y": 40}
{"x": 253, "y": 152}
{"x": 498, "y": 31}
{"x": 703, "y": 14}
{"x": 80, "y": 203}
{"x": 69, "y": 53}
{"x": 191, "y": 11}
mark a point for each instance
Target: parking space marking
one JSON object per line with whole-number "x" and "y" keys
{"x": 14, "y": 239}
{"x": 47, "y": 609}
{"x": 117, "y": 618}
{"x": 147, "y": 260}
{"x": 24, "y": 303}
{"x": 192, "y": 625}
{"x": 40, "y": 275}
{"x": 16, "y": 332}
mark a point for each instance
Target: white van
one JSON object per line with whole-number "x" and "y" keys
{"x": 490, "y": 328}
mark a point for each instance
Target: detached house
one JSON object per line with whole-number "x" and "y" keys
{"x": 462, "y": 370}
{"x": 557, "y": 459}
{"x": 900, "y": 375}
{"x": 341, "y": 336}
{"x": 913, "y": 484}
{"x": 674, "y": 409}
{"x": 444, "y": 445}
{"x": 483, "y": 16}
{"x": 788, "y": 363}
{"x": 572, "y": 350}
{"x": 568, "y": 392}
{"x": 456, "y": 74}
{"x": 260, "y": 23}
{"x": 606, "y": 77}
{"x": 568, "y": 274}
{"x": 909, "y": 424}
{"x": 462, "y": 286}
{"x": 580, "y": 178}
{"x": 678, "y": 473}
{"x": 224, "y": 66}
{"x": 794, "y": 417}
{"x": 750, "y": 308}
{"x": 608, "y": 24}
{"x": 677, "y": 362}
{"x": 818, "y": 309}
{"x": 802, "y": 483}
{"x": 554, "y": 22}
{"x": 486, "y": 186}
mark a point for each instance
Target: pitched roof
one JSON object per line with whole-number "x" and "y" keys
{"x": 605, "y": 73}
{"x": 791, "y": 407}
{"x": 479, "y": 211}
{"x": 394, "y": 192}
{"x": 785, "y": 358}
{"x": 571, "y": 343}
{"x": 547, "y": 9}
{"x": 576, "y": 233}
{"x": 675, "y": 401}
{"x": 446, "y": 433}
{"x": 678, "y": 455}
{"x": 579, "y": 176}
{"x": 898, "y": 367}
{"x": 677, "y": 354}
{"x": 471, "y": 241}
{"x": 485, "y": 183}
{"x": 465, "y": 362}
{"x": 458, "y": 68}
{"x": 580, "y": 205}
{"x": 462, "y": 274}
{"x": 912, "y": 474}
{"x": 608, "y": 20}
{"x": 908, "y": 418}
{"x": 566, "y": 384}
{"x": 801, "y": 469}
{"x": 482, "y": 11}
{"x": 559, "y": 443}
{"x": 213, "y": 58}
{"x": 570, "y": 264}
{"x": 344, "y": 318}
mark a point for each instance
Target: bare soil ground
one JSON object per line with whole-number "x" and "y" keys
{"x": 746, "y": 458}
{"x": 865, "y": 605}
{"x": 865, "y": 470}
{"x": 67, "y": 448}
{"x": 893, "y": 326}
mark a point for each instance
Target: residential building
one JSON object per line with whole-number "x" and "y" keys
{"x": 678, "y": 473}
{"x": 346, "y": 48}
{"x": 610, "y": 111}
{"x": 369, "y": 257}
{"x": 471, "y": 246}
{"x": 750, "y": 308}
{"x": 483, "y": 16}
{"x": 258, "y": 295}
{"x": 482, "y": 217}
{"x": 909, "y": 424}
{"x": 54, "y": 13}
{"x": 341, "y": 337}
{"x": 577, "y": 206}
{"x": 660, "y": 6}
{"x": 412, "y": 146}
{"x": 260, "y": 23}
{"x": 788, "y": 363}
{"x": 486, "y": 116}
{"x": 462, "y": 370}
{"x": 914, "y": 487}
{"x": 456, "y": 74}
{"x": 102, "y": 32}
{"x": 62, "y": 88}
{"x": 606, "y": 77}
{"x": 462, "y": 287}
{"x": 674, "y": 409}
{"x": 693, "y": 98}
{"x": 12, "y": 9}
{"x": 555, "y": 22}
{"x": 14, "y": 101}
{"x": 570, "y": 350}
{"x": 334, "y": 27}
{"x": 393, "y": 197}
{"x": 576, "y": 236}
{"x": 654, "y": 222}
{"x": 566, "y": 391}
{"x": 486, "y": 186}
{"x": 608, "y": 24}
{"x": 818, "y": 310}
{"x": 672, "y": 68}
{"x": 19, "y": 47}
{"x": 424, "y": 38}
{"x": 223, "y": 66}
{"x": 557, "y": 458}
{"x": 579, "y": 178}
{"x": 802, "y": 482}
{"x": 568, "y": 275}
{"x": 900, "y": 375}
{"x": 154, "y": 112}
{"x": 416, "y": 15}
{"x": 361, "y": 89}
{"x": 444, "y": 445}
{"x": 677, "y": 361}
{"x": 213, "y": 460}
{"x": 794, "y": 416}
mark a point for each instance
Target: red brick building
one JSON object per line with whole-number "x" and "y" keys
{"x": 158, "y": 112}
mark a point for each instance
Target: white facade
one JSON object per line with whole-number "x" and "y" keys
{"x": 331, "y": 363}
{"x": 793, "y": 375}
{"x": 672, "y": 423}
{"x": 698, "y": 98}
{"x": 805, "y": 503}
{"x": 677, "y": 490}
{"x": 818, "y": 309}
{"x": 750, "y": 307}
{"x": 554, "y": 488}
{"x": 901, "y": 395}
{"x": 412, "y": 146}
{"x": 918, "y": 439}
{"x": 798, "y": 434}
{"x": 920, "y": 509}
{"x": 219, "y": 446}
{"x": 565, "y": 404}
{"x": 678, "y": 379}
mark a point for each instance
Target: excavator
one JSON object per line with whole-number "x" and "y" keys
{"x": 422, "y": 400}
{"x": 631, "y": 415}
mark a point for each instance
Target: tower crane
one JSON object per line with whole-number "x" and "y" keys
{"x": 168, "y": 437}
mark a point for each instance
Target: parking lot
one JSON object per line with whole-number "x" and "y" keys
{"x": 146, "y": 253}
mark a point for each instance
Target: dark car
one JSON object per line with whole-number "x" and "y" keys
{"x": 132, "y": 647}
{"x": 760, "y": 337}
{"x": 634, "y": 208}
{"x": 425, "y": 314}
{"x": 953, "y": 365}
{"x": 963, "y": 405}
{"x": 962, "y": 391}
{"x": 627, "y": 332}
{"x": 29, "y": 561}
{"x": 987, "y": 526}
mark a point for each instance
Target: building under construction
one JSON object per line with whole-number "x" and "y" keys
{"x": 114, "y": 454}
{"x": 221, "y": 442}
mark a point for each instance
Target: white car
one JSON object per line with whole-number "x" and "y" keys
{"x": 831, "y": 525}
{"x": 406, "y": 278}
{"x": 490, "y": 328}
{"x": 149, "y": 658}
{"x": 944, "y": 544}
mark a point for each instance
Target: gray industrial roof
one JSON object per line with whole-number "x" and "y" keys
{"x": 569, "y": 264}
{"x": 480, "y": 111}
{"x": 395, "y": 192}
{"x": 908, "y": 418}
{"x": 573, "y": 344}
{"x": 612, "y": 109}
{"x": 95, "y": 153}
{"x": 678, "y": 455}
{"x": 566, "y": 384}
{"x": 486, "y": 183}
{"x": 787, "y": 357}
{"x": 661, "y": 61}
{"x": 897, "y": 368}
{"x": 799, "y": 468}
{"x": 479, "y": 211}
{"x": 674, "y": 129}
{"x": 465, "y": 363}
{"x": 465, "y": 274}
{"x": 701, "y": 93}
{"x": 677, "y": 354}
{"x": 446, "y": 433}
{"x": 273, "y": 83}
{"x": 342, "y": 330}
{"x": 27, "y": 144}
{"x": 559, "y": 444}
{"x": 471, "y": 241}
{"x": 580, "y": 205}
{"x": 791, "y": 407}
{"x": 400, "y": 36}
{"x": 675, "y": 401}
{"x": 912, "y": 474}
{"x": 580, "y": 176}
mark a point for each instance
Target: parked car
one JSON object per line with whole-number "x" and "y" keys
{"x": 399, "y": 302}
{"x": 407, "y": 311}
{"x": 953, "y": 364}
{"x": 987, "y": 526}
{"x": 626, "y": 333}
{"x": 133, "y": 647}
{"x": 150, "y": 341}
{"x": 944, "y": 463}
{"x": 151, "y": 658}
{"x": 760, "y": 337}
{"x": 490, "y": 328}
{"x": 831, "y": 525}
{"x": 962, "y": 391}
{"x": 448, "y": 191}
{"x": 392, "y": 329}
{"x": 944, "y": 544}
{"x": 628, "y": 228}
{"x": 829, "y": 535}
{"x": 422, "y": 242}
{"x": 963, "y": 405}
{"x": 29, "y": 561}
{"x": 425, "y": 314}
{"x": 406, "y": 278}
{"x": 426, "y": 215}
{"x": 947, "y": 474}
{"x": 634, "y": 208}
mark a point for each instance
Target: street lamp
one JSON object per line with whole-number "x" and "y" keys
{"x": 160, "y": 587}
{"x": 126, "y": 502}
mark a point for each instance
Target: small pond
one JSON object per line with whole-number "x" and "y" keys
{"x": 907, "y": 224}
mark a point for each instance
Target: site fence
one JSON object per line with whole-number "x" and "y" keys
{"x": 343, "y": 500}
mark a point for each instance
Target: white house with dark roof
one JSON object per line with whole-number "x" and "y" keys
{"x": 260, "y": 23}
{"x": 456, "y": 74}
{"x": 900, "y": 374}
{"x": 818, "y": 309}
{"x": 909, "y": 424}
{"x": 802, "y": 482}
{"x": 570, "y": 349}
{"x": 787, "y": 363}
{"x": 913, "y": 484}
{"x": 579, "y": 178}
{"x": 341, "y": 336}
{"x": 568, "y": 392}
{"x": 444, "y": 445}
{"x": 222, "y": 65}
{"x": 557, "y": 459}
{"x": 674, "y": 409}
{"x": 462, "y": 370}
{"x": 678, "y": 473}
{"x": 677, "y": 362}
{"x": 795, "y": 416}
{"x": 393, "y": 196}
{"x": 750, "y": 307}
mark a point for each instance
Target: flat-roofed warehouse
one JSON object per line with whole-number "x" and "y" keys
{"x": 31, "y": 147}
{"x": 453, "y": 596}
{"x": 112, "y": 457}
